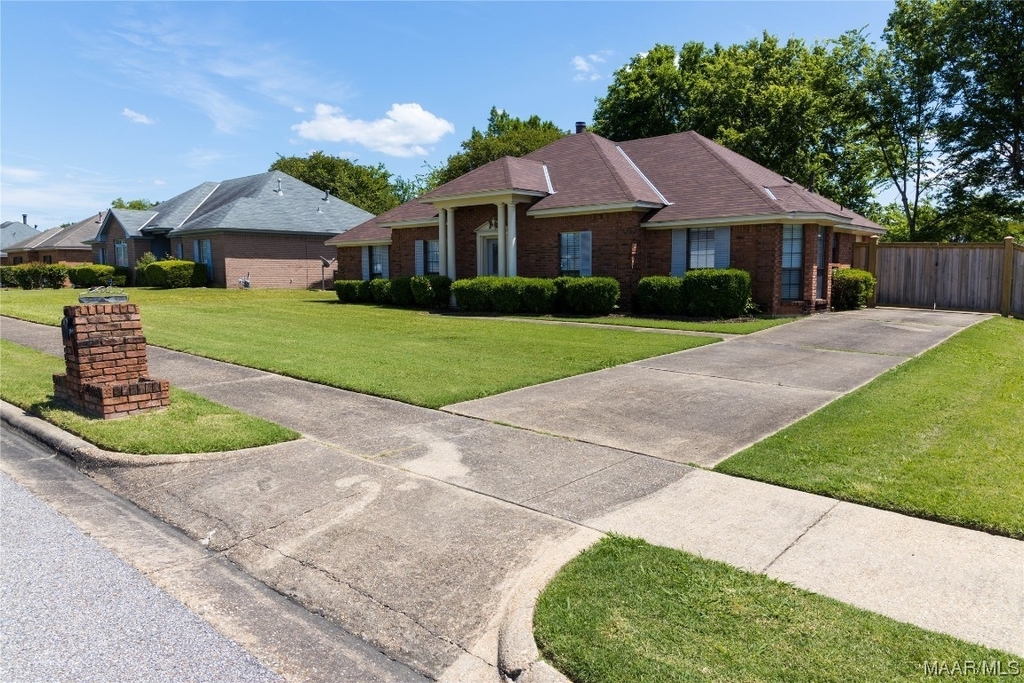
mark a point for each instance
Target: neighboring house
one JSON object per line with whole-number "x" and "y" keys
{"x": 584, "y": 205}
{"x": 267, "y": 229}
{"x": 57, "y": 245}
{"x": 12, "y": 232}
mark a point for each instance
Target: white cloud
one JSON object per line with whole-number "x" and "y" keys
{"x": 403, "y": 131}
{"x": 159, "y": 182}
{"x": 19, "y": 175}
{"x": 201, "y": 158}
{"x": 136, "y": 117}
{"x": 586, "y": 67}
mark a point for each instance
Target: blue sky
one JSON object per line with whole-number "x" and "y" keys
{"x": 101, "y": 100}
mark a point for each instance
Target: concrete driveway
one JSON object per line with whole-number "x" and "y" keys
{"x": 701, "y": 406}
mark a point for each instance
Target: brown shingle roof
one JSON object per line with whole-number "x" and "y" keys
{"x": 377, "y": 230}
{"x": 68, "y": 237}
{"x": 505, "y": 174}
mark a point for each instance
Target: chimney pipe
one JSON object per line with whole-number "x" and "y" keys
{"x": 24, "y": 218}
{"x": 581, "y": 127}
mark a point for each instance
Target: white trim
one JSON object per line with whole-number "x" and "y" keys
{"x": 360, "y": 243}
{"x": 641, "y": 174}
{"x": 196, "y": 208}
{"x": 593, "y": 208}
{"x": 428, "y": 223}
{"x": 547, "y": 179}
{"x": 489, "y": 197}
{"x": 770, "y": 193}
{"x": 794, "y": 218}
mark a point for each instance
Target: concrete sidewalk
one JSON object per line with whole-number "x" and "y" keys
{"x": 409, "y": 527}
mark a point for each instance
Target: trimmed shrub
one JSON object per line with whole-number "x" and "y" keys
{"x": 716, "y": 293}
{"x": 401, "y": 292}
{"x": 538, "y": 295}
{"x": 176, "y": 274}
{"x": 140, "y": 268}
{"x": 474, "y": 294}
{"x": 591, "y": 295}
{"x": 353, "y": 291}
{"x": 661, "y": 294}
{"x": 90, "y": 275}
{"x": 506, "y": 295}
{"x": 431, "y": 291}
{"x": 35, "y": 275}
{"x": 851, "y": 288}
{"x": 123, "y": 275}
{"x": 380, "y": 290}
{"x": 559, "y": 303}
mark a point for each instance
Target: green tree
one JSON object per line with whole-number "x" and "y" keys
{"x": 133, "y": 204}
{"x": 784, "y": 105}
{"x": 504, "y": 136}
{"x": 368, "y": 187}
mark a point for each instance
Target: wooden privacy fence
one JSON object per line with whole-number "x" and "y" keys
{"x": 986, "y": 277}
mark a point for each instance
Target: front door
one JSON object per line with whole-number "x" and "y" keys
{"x": 491, "y": 256}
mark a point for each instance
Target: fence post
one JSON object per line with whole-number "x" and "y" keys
{"x": 873, "y": 268}
{"x": 1007, "y": 276}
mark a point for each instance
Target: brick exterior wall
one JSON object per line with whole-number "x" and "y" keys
{"x": 136, "y": 247}
{"x": 757, "y": 249}
{"x": 350, "y": 263}
{"x": 105, "y": 355}
{"x": 270, "y": 261}
{"x": 402, "y": 253}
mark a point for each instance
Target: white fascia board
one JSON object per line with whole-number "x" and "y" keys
{"x": 593, "y": 208}
{"x": 432, "y": 223}
{"x": 793, "y": 218}
{"x": 490, "y": 197}
{"x": 359, "y": 243}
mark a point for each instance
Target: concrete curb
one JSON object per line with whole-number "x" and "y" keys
{"x": 88, "y": 455}
{"x": 518, "y": 657}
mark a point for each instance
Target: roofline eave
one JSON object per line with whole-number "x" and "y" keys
{"x": 790, "y": 218}
{"x": 486, "y": 197}
{"x": 614, "y": 207}
{"x": 359, "y": 243}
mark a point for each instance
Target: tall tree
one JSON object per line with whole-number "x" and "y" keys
{"x": 133, "y": 204}
{"x": 504, "y": 136}
{"x": 368, "y": 187}
{"x": 780, "y": 104}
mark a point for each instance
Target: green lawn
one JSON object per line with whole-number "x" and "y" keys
{"x": 625, "y": 610}
{"x": 412, "y": 356}
{"x": 190, "y": 425}
{"x": 941, "y": 437}
{"x": 747, "y": 326}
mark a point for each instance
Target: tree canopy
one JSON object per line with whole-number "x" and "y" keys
{"x": 133, "y": 204}
{"x": 504, "y": 136}
{"x": 368, "y": 187}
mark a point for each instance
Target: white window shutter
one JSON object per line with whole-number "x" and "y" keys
{"x": 419, "y": 257}
{"x": 586, "y": 265}
{"x": 366, "y": 263}
{"x": 722, "y": 237}
{"x": 384, "y": 267}
{"x": 678, "y": 265}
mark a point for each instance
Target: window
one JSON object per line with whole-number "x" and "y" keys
{"x": 16, "y": 261}
{"x": 432, "y": 257}
{"x": 702, "y": 248}
{"x": 202, "y": 252}
{"x": 100, "y": 256}
{"x": 792, "y": 262}
{"x": 378, "y": 262}
{"x": 569, "y": 253}
{"x": 179, "y": 251}
{"x": 47, "y": 259}
{"x": 121, "y": 253}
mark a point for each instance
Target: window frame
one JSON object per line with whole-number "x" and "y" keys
{"x": 792, "y": 274}
{"x": 705, "y": 257}
{"x": 566, "y": 259}
{"x": 121, "y": 253}
{"x": 378, "y": 257}
{"x": 431, "y": 257}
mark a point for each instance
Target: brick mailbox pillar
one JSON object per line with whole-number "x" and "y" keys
{"x": 105, "y": 352}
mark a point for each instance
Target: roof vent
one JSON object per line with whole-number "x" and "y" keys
{"x": 787, "y": 178}
{"x": 279, "y": 191}
{"x": 327, "y": 196}
{"x": 581, "y": 127}
{"x": 24, "y": 218}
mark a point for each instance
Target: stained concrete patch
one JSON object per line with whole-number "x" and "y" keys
{"x": 850, "y": 333}
{"x": 965, "y": 583}
{"x": 744, "y": 523}
{"x": 917, "y": 316}
{"x": 684, "y": 418}
{"x": 753, "y": 360}
{"x": 414, "y": 566}
{"x": 507, "y": 463}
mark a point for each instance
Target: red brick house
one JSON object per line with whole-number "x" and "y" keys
{"x": 57, "y": 245}
{"x": 267, "y": 229}
{"x": 584, "y": 205}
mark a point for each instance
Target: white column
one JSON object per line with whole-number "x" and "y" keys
{"x": 501, "y": 240}
{"x": 451, "y": 243}
{"x": 512, "y": 239}
{"x": 442, "y": 243}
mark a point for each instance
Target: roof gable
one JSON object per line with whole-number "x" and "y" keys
{"x": 71, "y": 236}
{"x": 507, "y": 174}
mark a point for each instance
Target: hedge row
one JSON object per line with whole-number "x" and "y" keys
{"x": 92, "y": 275}
{"x": 704, "y": 293}
{"x": 851, "y": 288}
{"x": 422, "y": 291}
{"x": 175, "y": 274}
{"x": 567, "y": 295}
{"x": 34, "y": 275}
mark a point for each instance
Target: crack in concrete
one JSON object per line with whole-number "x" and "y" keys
{"x": 802, "y": 534}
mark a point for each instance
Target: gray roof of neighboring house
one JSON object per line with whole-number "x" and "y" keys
{"x": 70, "y": 237}
{"x": 12, "y": 232}
{"x": 249, "y": 204}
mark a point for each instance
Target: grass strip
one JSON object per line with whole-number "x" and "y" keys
{"x": 410, "y": 356}
{"x": 191, "y": 424}
{"x": 939, "y": 437}
{"x": 625, "y": 610}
